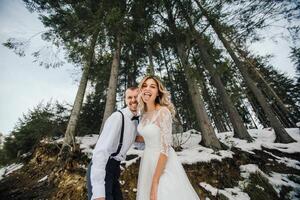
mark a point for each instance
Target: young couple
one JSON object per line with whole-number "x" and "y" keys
{"x": 161, "y": 175}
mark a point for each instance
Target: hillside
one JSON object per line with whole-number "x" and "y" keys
{"x": 261, "y": 169}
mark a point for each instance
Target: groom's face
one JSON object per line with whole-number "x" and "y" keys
{"x": 131, "y": 99}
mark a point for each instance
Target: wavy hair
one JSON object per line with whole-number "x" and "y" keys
{"x": 163, "y": 98}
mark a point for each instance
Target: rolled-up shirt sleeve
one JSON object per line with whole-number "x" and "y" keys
{"x": 106, "y": 145}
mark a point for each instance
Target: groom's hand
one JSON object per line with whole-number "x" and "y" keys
{"x": 102, "y": 198}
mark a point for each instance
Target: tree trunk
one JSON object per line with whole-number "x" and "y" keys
{"x": 288, "y": 118}
{"x": 209, "y": 138}
{"x": 239, "y": 128}
{"x": 281, "y": 134}
{"x": 219, "y": 123}
{"x": 112, "y": 85}
{"x": 69, "y": 138}
{"x": 150, "y": 69}
{"x": 178, "y": 128}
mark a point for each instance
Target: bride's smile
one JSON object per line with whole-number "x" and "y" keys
{"x": 149, "y": 91}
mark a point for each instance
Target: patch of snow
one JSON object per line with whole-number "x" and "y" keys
{"x": 187, "y": 139}
{"x": 133, "y": 151}
{"x": 248, "y": 169}
{"x": 262, "y": 138}
{"x": 287, "y": 161}
{"x": 24, "y": 155}
{"x": 261, "y": 188}
{"x": 192, "y": 152}
{"x": 277, "y": 180}
{"x": 202, "y": 154}
{"x": 43, "y": 179}
{"x": 231, "y": 193}
{"x": 209, "y": 188}
{"x": 87, "y": 142}
{"x": 10, "y": 169}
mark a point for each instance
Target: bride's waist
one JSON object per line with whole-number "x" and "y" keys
{"x": 153, "y": 148}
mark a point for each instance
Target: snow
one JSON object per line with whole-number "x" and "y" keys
{"x": 192, "y": 153}
{"x": 277, "y": 180}
{"x": 262, "y": 138}
{"x": 43, "y": 179}
{"x": 87, "y": 142}
{"x": 201, "y": 154}
{"x": 287, "y": 161}
{"x": 10, "y": 169}
{"x": 231, "y": 193}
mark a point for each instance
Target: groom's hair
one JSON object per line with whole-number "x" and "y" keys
{"x": 131, "y": 88}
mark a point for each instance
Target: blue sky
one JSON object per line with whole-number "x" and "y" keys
{"x": 23, "y": 83}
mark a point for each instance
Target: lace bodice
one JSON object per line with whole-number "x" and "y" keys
{"x": 156, "y": 128}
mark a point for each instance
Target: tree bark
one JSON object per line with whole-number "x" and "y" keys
{"x": 69, "y": 138}
{"x": 209, "y": 138}
{"x": 219, "y": 123}
{"x": 150, "y": 69}
{"x": 112, "y": 85}
{"x": 178, "y": 128}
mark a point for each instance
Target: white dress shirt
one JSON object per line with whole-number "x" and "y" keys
{"x": 107, "y": 144}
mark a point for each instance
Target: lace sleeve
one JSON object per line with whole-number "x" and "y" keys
{"x": 165, "y": 123}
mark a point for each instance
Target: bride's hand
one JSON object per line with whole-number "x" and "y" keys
{"x": 153, "y": 193}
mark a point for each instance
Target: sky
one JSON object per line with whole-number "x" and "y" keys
{"x": 24, "y": 84}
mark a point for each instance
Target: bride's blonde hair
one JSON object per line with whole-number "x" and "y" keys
{"x": 163, "y": 98}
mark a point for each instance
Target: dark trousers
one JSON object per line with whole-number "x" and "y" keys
{"x": 112, "y": 185}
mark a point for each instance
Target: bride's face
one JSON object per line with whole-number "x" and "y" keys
{"x": 149, "y": 91}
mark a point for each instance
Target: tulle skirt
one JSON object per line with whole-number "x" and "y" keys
{"x": 173, "y": 183}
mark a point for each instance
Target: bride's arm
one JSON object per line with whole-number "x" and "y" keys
{"x": 165, "y": 124}
{"x": 161, "y": 164}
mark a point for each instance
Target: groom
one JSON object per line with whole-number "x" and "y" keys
{"x": 118, "y": 134}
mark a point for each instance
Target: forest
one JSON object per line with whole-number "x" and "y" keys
{"x": 199, "y": 49}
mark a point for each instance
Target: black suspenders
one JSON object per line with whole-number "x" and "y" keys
{"x": 121, "y": 137}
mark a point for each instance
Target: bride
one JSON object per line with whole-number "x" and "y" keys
{"x": 161, "y": 175}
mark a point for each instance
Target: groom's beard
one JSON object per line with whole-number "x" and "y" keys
{"x": 133, "y": 106}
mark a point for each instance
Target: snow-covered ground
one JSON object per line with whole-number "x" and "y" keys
{"x": 262, "y": 138}
{"x": 231, "y": 193}
{"x": 192, "y": 153}
{"x": 9, "y": 169}
{"x": 277, "y": 180}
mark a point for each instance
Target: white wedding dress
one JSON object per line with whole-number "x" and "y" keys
{"x": 156, "y": 129}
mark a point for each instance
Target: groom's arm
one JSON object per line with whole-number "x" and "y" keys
{"x": 106, "y": 145}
